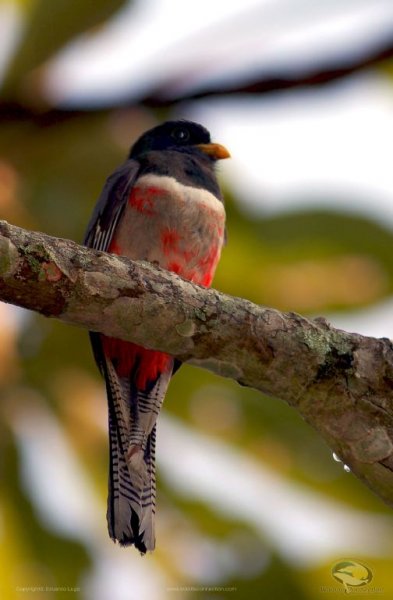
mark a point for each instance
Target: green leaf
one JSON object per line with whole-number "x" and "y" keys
{"x": 50, "y": 25}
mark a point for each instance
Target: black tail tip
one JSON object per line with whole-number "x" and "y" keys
{"x": 125, "y": 542}
{"x": 131, "y": 537}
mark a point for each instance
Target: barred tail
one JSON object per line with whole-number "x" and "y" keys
{"x": 132, "y": 437}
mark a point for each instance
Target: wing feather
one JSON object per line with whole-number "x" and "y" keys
{"x": 110, "y": 206}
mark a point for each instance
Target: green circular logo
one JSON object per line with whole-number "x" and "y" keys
{"x": 351, "y": 574}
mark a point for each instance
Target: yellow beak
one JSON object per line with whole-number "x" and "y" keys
{"x": 216, "y": 151}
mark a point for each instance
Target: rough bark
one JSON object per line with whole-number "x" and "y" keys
{"x": 341, "y": 383}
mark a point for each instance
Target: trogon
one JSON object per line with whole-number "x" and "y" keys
{"x": 162, "y": 205}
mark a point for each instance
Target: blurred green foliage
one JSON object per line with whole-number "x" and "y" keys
{"x": 48, "y": 27}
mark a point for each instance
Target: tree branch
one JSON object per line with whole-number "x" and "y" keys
{"x": 166, "y": 95}
{"x": 341, "y": 383}
{"x": 262, "y": 83}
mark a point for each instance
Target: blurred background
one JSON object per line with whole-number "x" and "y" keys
{"x": 251, "y": 503}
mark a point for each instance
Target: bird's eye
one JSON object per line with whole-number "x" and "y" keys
{"x": 181, "y": 134}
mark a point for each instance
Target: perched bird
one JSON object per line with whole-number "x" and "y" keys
{"x": 163, "y": 205}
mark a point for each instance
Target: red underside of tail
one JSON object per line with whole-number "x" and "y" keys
{"x": 146, "y": 365}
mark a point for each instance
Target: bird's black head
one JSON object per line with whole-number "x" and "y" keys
{"x": 178, "y": 135}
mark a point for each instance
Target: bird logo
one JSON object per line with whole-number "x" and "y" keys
{"x": 351, "y": 574}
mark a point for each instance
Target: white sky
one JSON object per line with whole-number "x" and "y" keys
{"x": 333, "y": 145}
{"x": 297, "y": 147}
{"x": 153, "y": 39}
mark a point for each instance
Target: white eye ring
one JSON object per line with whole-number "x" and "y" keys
{"x": 181, "y": 134}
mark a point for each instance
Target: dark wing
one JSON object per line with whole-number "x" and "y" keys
{"x": 110, "y": 206}
{"x": 131, "y": 498}
{"x": 103, "y": 222}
